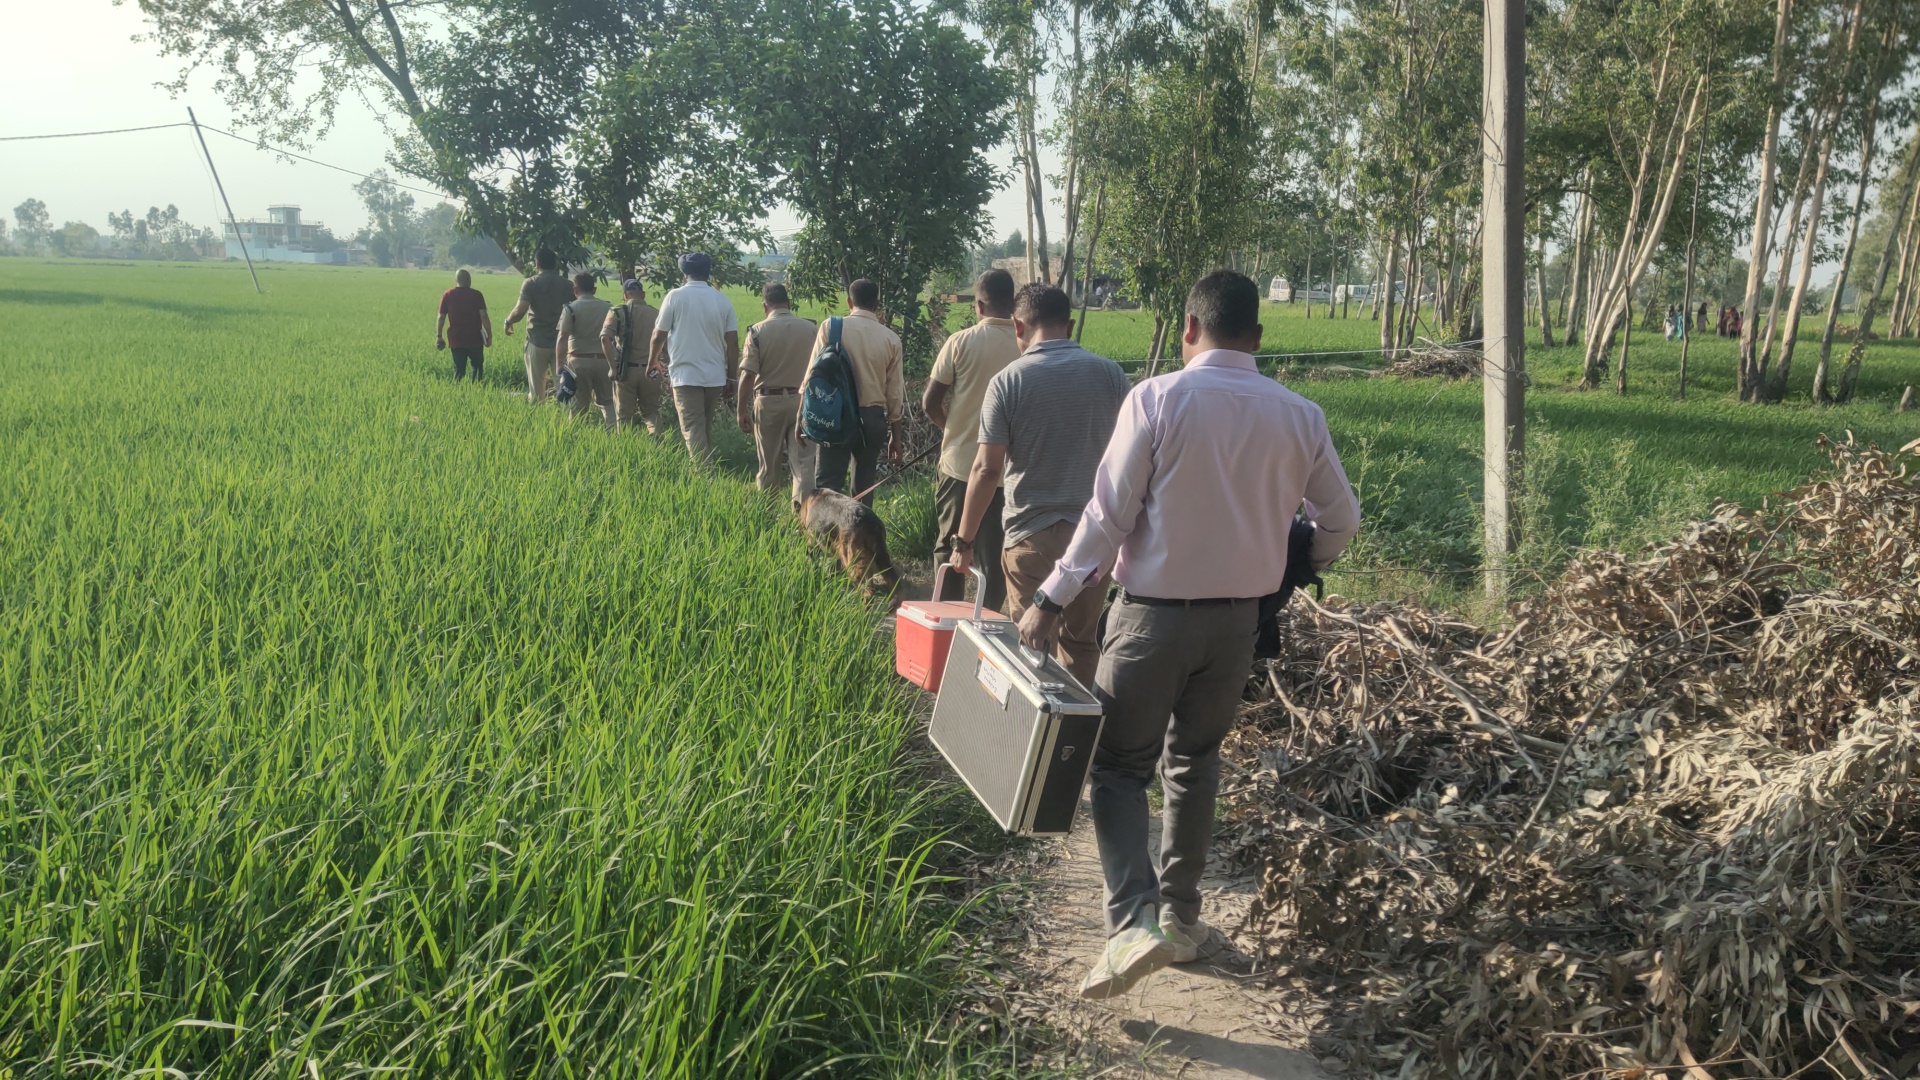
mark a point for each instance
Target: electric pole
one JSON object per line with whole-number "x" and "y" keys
{"x": 222, "y": 188}
{"x": 1503, "y": 212}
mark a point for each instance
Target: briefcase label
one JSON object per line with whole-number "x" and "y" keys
{"x": 993, "y": 680}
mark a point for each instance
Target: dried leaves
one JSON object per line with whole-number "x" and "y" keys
{"x": 1668, "y": 820}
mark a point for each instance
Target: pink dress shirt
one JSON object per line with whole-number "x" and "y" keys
{"x": 1199, "y": 486}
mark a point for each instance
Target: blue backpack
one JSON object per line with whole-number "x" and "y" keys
{"x": 830, "y": 400}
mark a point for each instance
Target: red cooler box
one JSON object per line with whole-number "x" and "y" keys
{"x": 923, "y": 630}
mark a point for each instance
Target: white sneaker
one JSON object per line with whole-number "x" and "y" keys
{"x": 1188, "y": 938}
{"x": 1131, "y": 955}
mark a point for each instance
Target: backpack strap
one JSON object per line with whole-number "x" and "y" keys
{"x": 833, "y": 331}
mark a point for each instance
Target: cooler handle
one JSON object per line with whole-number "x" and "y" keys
{"x": 979, "y": 591}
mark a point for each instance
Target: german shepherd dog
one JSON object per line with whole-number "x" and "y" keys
{"x": 855, "y": 535}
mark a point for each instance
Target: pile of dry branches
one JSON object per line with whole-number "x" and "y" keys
{"x": 1430, "y": 360}
{"x": 1668, "y": 820}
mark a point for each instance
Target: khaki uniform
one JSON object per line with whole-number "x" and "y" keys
{"x": 876, "y": 357}
{"x": 967, "y": 363}
{"x": 779, "y": 348}
{"x": 636, "y": 395}
{"x": 580, "y": 324}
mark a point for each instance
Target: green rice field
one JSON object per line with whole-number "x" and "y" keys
{"x": 356, "y": 721}
{"x": 353, "y": 721}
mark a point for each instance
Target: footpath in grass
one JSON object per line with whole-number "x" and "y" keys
{"x": 352, "y": 719}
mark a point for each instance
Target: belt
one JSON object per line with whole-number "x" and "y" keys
{"x": 1209, "y": 601}
{"x": 777, "y": 391}
{"x": 588, "y": 355}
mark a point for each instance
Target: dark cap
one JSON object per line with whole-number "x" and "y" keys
{"x": 696, "y": 264}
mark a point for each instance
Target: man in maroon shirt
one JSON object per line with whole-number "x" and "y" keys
{"x": 463, "y": 326}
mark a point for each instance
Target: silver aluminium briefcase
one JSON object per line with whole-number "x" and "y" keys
{"x": 1017, "y": 727}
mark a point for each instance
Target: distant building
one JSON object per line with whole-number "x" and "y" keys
{"x": 283, "y": 237}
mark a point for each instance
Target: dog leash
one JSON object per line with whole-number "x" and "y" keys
{"x": 897, "y": 473}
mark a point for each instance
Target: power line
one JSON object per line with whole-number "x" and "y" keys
{"x": 258, "y": 145}
{"x": 323, "y": 164}
{"x": 83, "y": 134}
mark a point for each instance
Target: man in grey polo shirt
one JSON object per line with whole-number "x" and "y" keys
{"x": 1044, "y": 423}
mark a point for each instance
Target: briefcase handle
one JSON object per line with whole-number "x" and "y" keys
{"x": 979, "y": 591}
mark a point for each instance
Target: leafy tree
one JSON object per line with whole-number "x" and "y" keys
{"x": 74, "y": 239}
{"x": 878, "y": 115}
{"x": 35, "y": 226}
{"x": 393, "y": 228}
{"x": 1175, "y": 155}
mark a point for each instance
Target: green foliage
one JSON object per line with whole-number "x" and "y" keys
{"x": 1174, "y": 147}
{"x": 358, "y": 720}
{"x": 33, "y": 224}
{"x": 879, "y": 115}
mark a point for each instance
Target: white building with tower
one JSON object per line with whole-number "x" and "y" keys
{"x": 283, "y": 237}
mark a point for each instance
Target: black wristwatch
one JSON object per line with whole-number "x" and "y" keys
{"x": 960, "y": 543}
{"x": 1046, "y": 603}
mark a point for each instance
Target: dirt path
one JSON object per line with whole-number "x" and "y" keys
{"x": 1215, "y": 1018}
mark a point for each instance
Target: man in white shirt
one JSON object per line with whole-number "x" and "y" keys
{"x": 1191, "y": 510}
{"x": 696, "y": 342}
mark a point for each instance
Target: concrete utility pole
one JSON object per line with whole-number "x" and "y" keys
{"x": 1503, "y": 213}
{"x": 231, "y": 220}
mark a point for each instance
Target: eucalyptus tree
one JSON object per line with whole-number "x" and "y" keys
{"x": 1176, "y": 152}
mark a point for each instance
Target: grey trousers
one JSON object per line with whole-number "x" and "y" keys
{"x": 1170, "y": 679}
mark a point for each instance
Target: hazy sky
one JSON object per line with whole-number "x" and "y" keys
{"x": 109, "y": 82}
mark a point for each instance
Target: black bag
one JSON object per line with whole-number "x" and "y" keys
{"x": 1300, "y": 571}
{"x": 563, "y": 392}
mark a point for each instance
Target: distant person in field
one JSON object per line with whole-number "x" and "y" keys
{"x": 696, "y": 343}
{"x": 542, "y": 296}
{"x": 874, "y": 350}
{"x": 1044, "y": 423}
{"x": 1700, "y": 321}
{"x": 578, "y": 337}
{"x": 463, "y": 326}
{"x": 779, "y": 348}
{"x": 1192, "y": 506}
{"x": 625, "y": 338}
{"x": 968, "y": 361}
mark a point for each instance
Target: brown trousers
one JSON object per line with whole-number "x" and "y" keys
{"x": 592, "y": 384}
{"x": 1028, "y": 562}
{"x": 776, "y": 435}
{"x": 636, "y": 398}
{"x": 695, "y": 404}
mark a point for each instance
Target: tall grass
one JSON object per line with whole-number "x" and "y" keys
{"x": 353, "y": 720}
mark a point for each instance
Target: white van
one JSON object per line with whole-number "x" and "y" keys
{"x": 1280, "y": 291}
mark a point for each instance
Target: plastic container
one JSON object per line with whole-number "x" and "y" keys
{"x": 923, "y": 630}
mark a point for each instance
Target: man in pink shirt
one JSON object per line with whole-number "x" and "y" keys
{"x": 1191, "y": 508}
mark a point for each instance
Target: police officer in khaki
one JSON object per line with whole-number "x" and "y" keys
{"x": 779, "y": 348}
{"x": 578, "y": 340}
{"x": 624, "y": 338}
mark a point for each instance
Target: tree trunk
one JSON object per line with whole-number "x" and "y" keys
{"x": 1036, "y": 184}
{"x": 1626, "y": 349}
{"x": 1776, "y": 388}
{"x": 1309, "y": 285}
{"x": 1693, "y": 238}
{"x": 1158, "y": 346}
{"x": 1070, "y": 194}
{"x": 1763, "y": 208}
{"x": 1909, "y": 249}
{"x": 1639, "y": 240}
{"x": 1582, "y": 252}
{"x": 1763, "y": 361}
{"x": 1822, "y": 392}
{"x": 1897, "y": 209}
{"x": 1389, "y": 348}
{"x": 1540, "y": 283}
{"x": 1093, "y": 242}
